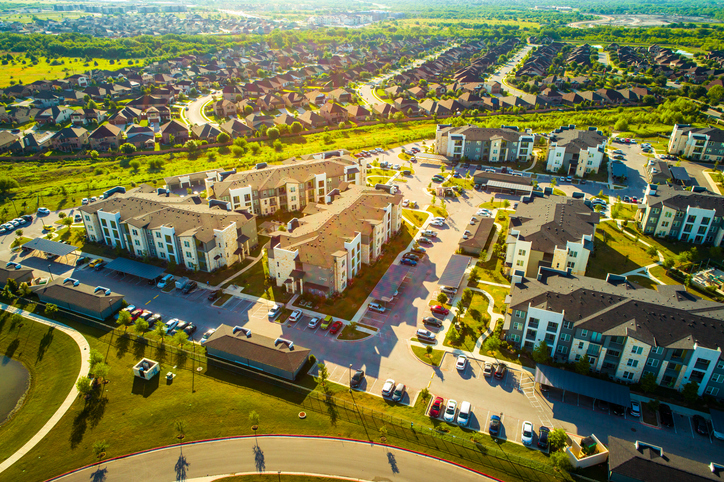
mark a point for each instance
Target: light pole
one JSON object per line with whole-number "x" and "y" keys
{"x": 350, "y": 378}
{"x": 50, "y": 272}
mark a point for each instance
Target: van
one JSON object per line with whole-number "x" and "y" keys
{"x": 464, "y": 414}
{"x": 376, "y": 307}
{"x": 165, "y": 281}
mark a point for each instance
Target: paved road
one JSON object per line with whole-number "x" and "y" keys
{"x": 508, "y": 67}
{"x": 194, "y": 115}
{"x": 271, "y": 454}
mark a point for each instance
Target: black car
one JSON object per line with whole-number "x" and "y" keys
{"x": 494, "y": 427}
{"x": 100, "y": 266}
{"x": 702, "y": 428}
{"x": 602, "y": 405}
{"x": 27, "y": 217}
{"x": 411, "y": 256}
{"x": 543, "y": 437}
{"x": 181, "y": 326}
{"x": 618, "y": 410}
{"x": 357, "y": 378}
{"x": 666, "y": 415}
{"x": 214, "y": 295}
{"x": 81, "y": 260}
{"x": 431, "y": 320}
{"x": 500, "y": 371}
{"x": 190, "y": 286}
{"x": 190, "y": 329}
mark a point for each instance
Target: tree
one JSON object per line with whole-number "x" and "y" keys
{"x": 323, "y": 373}
{"x": 100, "y": 448}
{"x": 24, "y": 289}
{"x": 296, "y": 127}
{"x": 223, "y": 138}
{"x": 442, "y": 298}
{"x": 101, "y": 370}
{"x": 84, "y": 386}
{"x": 124, "y": 320}
{"x": 428, "y": 351}
{"x": 160, "y": 331}
{"x": 461, "y": 307}
{"x": 140, "y": 327}
{"x": 126, "y": 148}
{"x": 493, "y": 342}
{"x": 541, "y": 352}
{"x": 467, "y": 296}
{"x": 690, "y": 392}
{"x": 191, "y": 145}
{"x": 254, "y": 419}
{"x": 668, "y": 263}
{"x": 7, "y": 183}
{"x": 716, "y": 94}
{"x": 651, "y": 251}
{"x": 51, "y": 310}
{"x": 180, "y": 338}
{"x": 94, "y": 357}
{"x": 648, "y": 382}
{"x": 583, "y": 365}
{"x": 557, "y": 439}
{"x": 474, "y": 276}
{"x": 180, "y": 426}
{"x": 135, "y": 165}
{"x": 561, "y": 462}
{"x": 273, "y": 133}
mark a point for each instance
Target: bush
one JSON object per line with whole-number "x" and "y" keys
{"x": 442, "y": 298}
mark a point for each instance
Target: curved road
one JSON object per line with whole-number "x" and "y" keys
{"x": 84, "y": 348}
{"x": 194, "y": 114}
{"x": 272, "y": 454}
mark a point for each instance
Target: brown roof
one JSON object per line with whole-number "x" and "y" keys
{"x": 81, "y": 295}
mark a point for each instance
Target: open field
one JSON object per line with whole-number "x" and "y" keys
{"x": 45, "y": 71}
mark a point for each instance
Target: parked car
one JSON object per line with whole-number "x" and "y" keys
{"x": 153, "y": 319}
{"x": 618, "y": 410}
{"x": 356, "y": 379}
{"x": 94, "y": 263}
{"x": 336, "y": 326}
{"x": 136, "y": 314}
{"x": 494, "y": 427}
{"x": 411, "y": 256}
{"x": 78, "y": 218}
{"x": 500, "y": 370}
{"x": 408, "y": 262}
{"x": 449, "y": 290}
{"x": 450, "y": 410}
{"x": 81, "y": 260}
{"x": 666, "y": 415}
{"x": 441, "y": 310}
{"x": 399, "y": 392}
{"x": 206, "y": 335}
{"x": 97, "y": 267}
{"x": 165, "y": 281}
{"x": 425, "y": 335}
{"x": 543, "y": 437}
{"x": 314, "y": 322}
{"x": 464, "y": 412}
{"x": 275, "y": 311}
{"x": 437, "y": 223}
{"x": 84, "y": 201}
{"x": 488, "y": 370}
{"x": 189, "y": 287}
{"x": 424, "y": 239}
{"x": 635, "y": 410}
{"x": 462, "y": 362}
{"x": 43, "y": 211}
{"x": 436, "y": 407}
{"x": 602, "y": 405}
{"x": 296, "y": 314}
{"x": 326, "y": 322}
{"x": 702, "y": 428}
{"x": 388, "y": 387}
{"x": 190, "y": 329}
{"x": 214, "y": 295}
{"x": 376, "y": 307}
{"x": 171, "y": 324}
{"x": 526, "y": 435}
{"x": 431, "y": 320}
{"x": 418, "y": 249}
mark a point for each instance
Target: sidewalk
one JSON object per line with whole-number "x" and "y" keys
{"x": 84, "y": 348}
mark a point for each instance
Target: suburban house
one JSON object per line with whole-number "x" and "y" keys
{"x": 553, "y": 231}
{"x": 358, "y": 113}
{"x": 311, "y": 120}
{"x": 174, "y": 128}
{"x": 224, "y": 108}
{"x": 575, "y": 151}
{"x": 475, "y": 237}
{"x": 54, "y": 115}
{"x": 675, "y": 213}
{"x": 84, "y": 299}
{"x": 657, "y": 171}
{"x": 22, "y": 275}
{"x": 289, "y": 187}
{"x": 341, "y": 95}
{"x": 624, "y": 329}
{"x": 205, "y": 132}
{"x": 706, "y": 144}
{"x": 333, "y": 112}
{"x": 106, "y": 137}
{"x": 185, "y": 230}
{"x": 504, "y": 144}
{"x": 321, "y": 252}
{"x": 70, "y": 139}
{"x": 235, "y": 128}
{"x": 140, "y": 136}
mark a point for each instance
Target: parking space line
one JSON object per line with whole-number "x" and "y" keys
{"x": 691, "y": 425}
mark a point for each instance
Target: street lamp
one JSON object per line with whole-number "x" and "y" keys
{"x": 50, "y": 272}
{"x": 350, "y": 378}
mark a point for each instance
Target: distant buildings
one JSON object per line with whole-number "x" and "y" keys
{"x": 505, "y": 144}
{"x": 575, "y": 151}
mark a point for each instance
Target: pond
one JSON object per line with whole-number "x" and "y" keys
{"x": 13, "y": 384}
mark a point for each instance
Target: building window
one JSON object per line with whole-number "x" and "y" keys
{"x": 720, "y": 364}
{"x": 565, "y": 337}
{"x": 135, "y": 233}
{"x": 158, "y": 235}
{"x": 568, "y": 325}
{"x": 667, "y": 214}
{"x": 562, "y": 350}
{"x": 138, "y": 243}
{"x": 160, "y": 244}
{"x": 533, "y": 322}
{"x": 552, "y": 327}
{"x": 519, "y": 314}
{"x": 717, "y": 378}
{"x": 711, "y": 391}
{"x": 517, "y": 326}
{"x": 632, "y": 363}
{"x": 573, "y": 254}
{"x": 705, "y": 220}
{"x": 186, "y": 244}
{"x": 521, "y": 252}
{"x": 691, "y": 219}
{"x": 628, "y": 375}
{"x": 584, "y": 333}
{"x": 188, "y": 255}
{"x": 580, "y": 345}
{"x": 520, "y": 262}
{"x": 652, "y": 362}
{"x": 658, "y": 350}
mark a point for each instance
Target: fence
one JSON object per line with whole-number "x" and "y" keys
{"x": 431, "y": 438}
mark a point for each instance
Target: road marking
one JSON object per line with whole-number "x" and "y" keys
{"x": 691, "y": 425}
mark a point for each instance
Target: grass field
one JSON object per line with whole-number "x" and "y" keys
{"x": 277, "y": 478}
{"x": 418, "y": 218}
{"x": 53, "y": 359}
{"x": 43, "y": 70}
{"x": 472, "y": 324}
{"x": 618, "y": 254}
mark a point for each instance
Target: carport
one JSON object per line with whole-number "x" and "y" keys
{"x": 47, "y": 246}
{"x": 512, "y": 188}
{"x": 390, "y": 283}
{"x": 454, "y": 271}
{"x": 618, "y": 170}
{"x": 583, "y": 385}
{"x": 134, "y": 268}
{"x": 717, "y": 423}
{"x": 680, "y": 176}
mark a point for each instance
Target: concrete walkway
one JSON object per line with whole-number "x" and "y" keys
{"x": 84, "y": 348}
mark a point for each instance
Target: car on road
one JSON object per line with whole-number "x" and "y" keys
{"x": 450, "y": 410}
{"x": 206, "y": 335}
{"x": 702, "y": 428}
{"x": 43, "y": 211}
{"x": 436, "y": 407}
{"x": 618, "y": 410}
{"x": 437, "y": 178}
{"x": 399, "y": 392}
{"x": 437, "y": 223}
{"x": 500, "y": 370}
{"x": 543, "y": 437}
{"x": 431, "y": 320}
{"x": 462, "y": 362}
{"x": 376, "y": 307}
{"x": 418, "y": 249}
{"x": 488, "y": 369}
{"x": 526, "y": 433}
{"x": 627, "y": 199}
{"x": 189, "y": 287}
{"x": 97, "y": 267}
{"x": 214, "y": 295}
{"x": 296, "y": 314}
{"x": 190, "y": 329}
{"x": 429, "y": 233}
{"x": 153, "y": 319}
{"x": 314, "y": 322}
{"x": 464, "y": 412}
{"x": 336, "y": 326}
{"x": 449, "y": 290}
{"x": 635, "y": 409}
{"x": 666, "y": 415}
{"x": 356, "y": 379}
{"x": 95, "y": 263}
{"x": 569, "y": 179}
{"x": 388, "y": 387}
{"x": 275, "y": 311}
{"x": 423, "y": 239}
{"x": 81, "y": 260}
{"x": 411, "y": 256}
{"x": 441, "y": 310}
{"x": 326, "y": 322}
{"x": 425, "y": 335}
{"x": 171, "y": 324}
{"x": 164, "y": 281}
{"x": 494, "y": 426}
{"x": 408, "y": 262}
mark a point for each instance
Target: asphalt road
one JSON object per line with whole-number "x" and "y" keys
{"x": 508, "y": 67}
{"x": 271, "y": 455}
{"x": 193, "y": 114}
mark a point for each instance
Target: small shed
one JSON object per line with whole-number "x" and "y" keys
{"x": 146, "y": 369}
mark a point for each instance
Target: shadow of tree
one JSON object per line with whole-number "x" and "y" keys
{"x": 259, "y": 458}
{"x": 181, "y": 467}
{"x": 95, "y": 410}
{"x": 10, "y": 350}
{"x": 139, "y": 348}
{"x": 100, "y": 475}
{"x": 393, "y": 463}
{"x": 78, "y": 430}
{"x": 45, "y": 343}
{"x": 161, "y": 354}
{"x": 122, "y": 344}
{"x": 332, "y": 412}
{"x": 181, "y": 359}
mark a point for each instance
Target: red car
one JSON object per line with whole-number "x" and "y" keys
{"x": 335, "y": 327}
{"x": 436, "y": 407}
{"x": 136, "y": 314}
{"x": 439, "y": 309}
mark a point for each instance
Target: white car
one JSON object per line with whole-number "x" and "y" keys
{"x": 439, "y": 218}
{"x": 313, "y": 323}
{"x": 450, "y": 410}
{"x": 165, "y": 281}
{"x": 473, "y": 220}
{"x": 483, "y": 211}
{"x": 449, "y": 290}
{"x": 296, "y": 314}
{"x": 388, "y": 387}
{"x": 526, "y": 435}
{"x": 43, "y": 211}
{"x": 405, "y": 203}
{"x": 274, "y": 312}
{"x": 635, "y": 410}
{"x": 464, "y": 414}
{"x": 462, "y": 362}
{"x": 437, "y": 224}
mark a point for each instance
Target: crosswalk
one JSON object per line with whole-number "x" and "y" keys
{"x": 527, "y": 386}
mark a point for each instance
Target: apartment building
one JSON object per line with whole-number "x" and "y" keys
{"x": 321, "y": 252}
{"x": 555, "y": 232}
{"x": 689, "y": 216}
{"x": 504, "y": 144}
{"x": 705, "y": 144}
{"x": 184, "y": 230}
{"x": 289, "y": 187}
{"x": 626, "y": 330}
{"x": 576, "y": 151}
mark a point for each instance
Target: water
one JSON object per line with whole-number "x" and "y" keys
{"x": 13, "y": 383}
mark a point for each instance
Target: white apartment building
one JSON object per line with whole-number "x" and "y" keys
{"x": 504, "y": 144}
{"x": 575, "y": 151}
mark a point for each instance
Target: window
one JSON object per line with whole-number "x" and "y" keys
{"x": 135, "y": 233}
{"x": 533, "y": 322}
{"x": 652, "y": 362}
{"x": 665, "y": 224}
{"x": 570, "y": 265}
{"x": 158, "y": 235}
{"x": 186, "y": 244}
{"x": 628, "y": 375}
{"x": 521, "y": 252}
{"x": 515, "y": 338}
{"x": 705, "y": 220}
{"x": 160, "y": 244}
{"x": 565, "y": 337}
{"x": 573, "y": 254}
{"x": 632, "y": 363}
{"x": 520, "y": 262}
{"x": 657, "y": 350}
{"x": 691, "y": 219}
{"x": 138, "y": 243}
{"x": 568, "y": 325}
{"x": 720, "y": 364}
{"x": 637, "y": 350}
{"x": 717, "y": 378}
{"x": 519, "y": 314}
{"x": 517, "y": 326}
{"x": 552, "y": 327}
{"x": 103, "y": 222}
{"x": 578, "y": 357}
{"x": 613, "y": 353}
{"x": 667, "y": 214}
{"x": 584, "y": 333}
{"x": 562, "y": 350}
{"x": 580, "y": 345}
{"x": 711, "y": 391}
{"x": 687, "y": 228}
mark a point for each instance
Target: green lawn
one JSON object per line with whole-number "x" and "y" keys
{"x": 644, "y": 281}
{"x": 498, "y": 295}
{"x": 624, "y": 211}
{"x": 437, "y": 211}
{"x": 619, "y": 254}
{"x": 463, "y": 183}
{"x": 53, "y": 359}
{"x": 352, "y": 333}
{"x": 474, "y": 323}
{"x": 43, "y": 70}
{"x": 491, "y": 270}
{"x": 433, "y": 359}
{"x": 277, "y": 478}
{"x": 670, "y": 249}
{"x": 254, "y": 282}
{"x": 372, "y": 180}
{"x": 503, "y": 203}
{"x": 417, "y": 218}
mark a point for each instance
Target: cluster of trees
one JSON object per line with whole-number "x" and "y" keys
{"x": 710, "y": 37}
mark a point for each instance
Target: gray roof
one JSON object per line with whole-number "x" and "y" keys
{"x": 257, "y": 348}
{"x": 454, "y": 271}
{"x": 390, "y": 282}
{"x": 679, "y": 199}
{"x": 12, "y": 273}
{"x": 50, "y": 247}
{"x": 479, "y": 234}
{"x": 583, "y": 385}
{"x": 575, "y": 139}
{"x": 142, "y": 270}
{"x": 483, "y": 177}
{"x": 618, "y": 169}
{"x": 680, "y": 174}
{"x": 82, "y": 295}
{"x": 513, "y": 186}
{"x": 716, "y": 135}
{"x": 473, "y": 133}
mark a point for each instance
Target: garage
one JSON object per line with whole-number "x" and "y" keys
{"x": 582, "y": 385}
